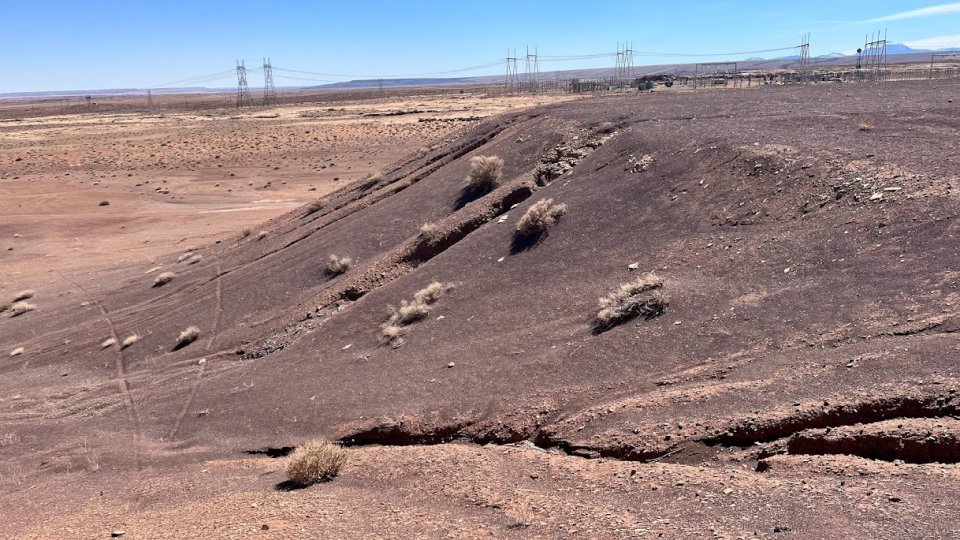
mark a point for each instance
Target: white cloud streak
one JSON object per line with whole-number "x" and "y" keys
{"x": 936, "y": 42}
{"x": 952, "y": 7}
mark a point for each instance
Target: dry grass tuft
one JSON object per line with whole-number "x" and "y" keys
{"x": 428, "y": 229}
{"x": 337, "y": 265}
{"x": 152, "y": 270}
{"x": 643, "y": 296}
{"x": 485, "y": 171}
{"x": 315, "y": 461}
{"x": 188, "y": 336}
{"x": 19, "y": 308}
{"x": 23, "y": 295}
{"x": 541, "y": 215}
{"x": 184, "y": 256}
{"x": 108, "y": 343}
{"x": 864, "y": 127}
{"x": 261, "y": 235}
{"x": 4, "y": 306}
{"x": 195, "y": 259}
{"x": 130, "y": 340}
{"x": 246, "y": 232}
{"x": 410, "y": 312}
{"x": 17, "y": 352}
{"x": 163, "y": 279}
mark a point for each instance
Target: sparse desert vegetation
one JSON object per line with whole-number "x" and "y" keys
{"x": 315, "y": 461}
{"x": 261, "y": 235}
{"x": 485, "y": 172}
{"x": 410, "y": 312}
{"x": 186, "y": 337}
{"x": 640, "y": 297}
{"x": 184, "y": 256}
{"x": 541, "y": 215}
{"x": 109, "y": 342}
{"x": 163, "y": 279}
{"x": 17, "y": 352}
{"x": 337, "y": 265}
{"x": 19, "y": 308}
{"x": 863, "y": 126}
{"x": 129, "y": 340}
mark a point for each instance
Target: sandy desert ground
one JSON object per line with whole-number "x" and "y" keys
{"x": 794, "y": 375}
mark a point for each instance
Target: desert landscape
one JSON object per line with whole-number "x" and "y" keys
{"x": 713, "y": 314}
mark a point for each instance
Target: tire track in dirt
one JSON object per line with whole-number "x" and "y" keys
{"x": 120, "y": 366}
{"x": 214, "y": 327}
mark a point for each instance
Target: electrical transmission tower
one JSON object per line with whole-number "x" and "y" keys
{"x": 624, "y": 69}
{"x": 532, "y": 73}
{"x": 875, "y": 56}
{"x": 243, "y": 91}
{"x": 803, "y": 71}
{"x": 512, "y": 81}
{"x": 269, "y": 92}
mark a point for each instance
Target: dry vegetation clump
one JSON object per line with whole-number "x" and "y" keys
{"x": 163, "y": 279}
{"x": 541, "y": 215}
{"x": 23, "y": 295}
{"x": 315, "y": 461}
{"x": 195, "y": 259}
{"x": 337, "y": 265}
{"x": 17, "y": 352}
{"x": 261, "y": 235}
{"x": 410, "y": 312}
{"x": 4, "y": 306}
{"x": 110, "y": 342}
{"x": 130, "y": 340}
{"x": 19, "y": 308}
{"x": 643, "y": 296}
{"x": 184, "y": 256}
{"x": 864, "y": 126}
{"x": 188, "y": 336}
{"x": 428, "y": 229}
{"x": 485, "y": 171}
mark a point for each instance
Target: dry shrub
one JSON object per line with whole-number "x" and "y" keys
{"x": 110, "y": 342}
{"x": 163, "y": 279}
{"x": 484, "y": 172}
{"x": 184, "y": 256}
{"x": 130, "y": 340}
{"x": 246, "y": 232}
{"x": 338, "y": 265}
{"x": 188, "y": 336}
{"x": 864, "y": 127}
{"x": 428, "y": 230}
{"x": 23, "y": 295}
{"x": 17, "y": 352}
{"x": 643, "y": 296}
{"x": 541, "y": 215}
{"x": 19, "y": 308}
{"x": 410, "y": 312}
{"x": 195, "y": 259}
{"x": 4, "y": 306}
{"x": 315, "y": 461}
{"x": 261, "y": 235}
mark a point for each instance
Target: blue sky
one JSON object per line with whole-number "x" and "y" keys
{"x": 70, "y": 45}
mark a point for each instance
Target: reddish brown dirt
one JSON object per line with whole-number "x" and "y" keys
{"x": 811, "y": 272}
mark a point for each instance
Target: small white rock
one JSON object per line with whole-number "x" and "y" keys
{"x": 345, "y": 347}
{"x": 633, "y": 266}
{"x": 450, "y": 365}
{"x": 501, "y": 259}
